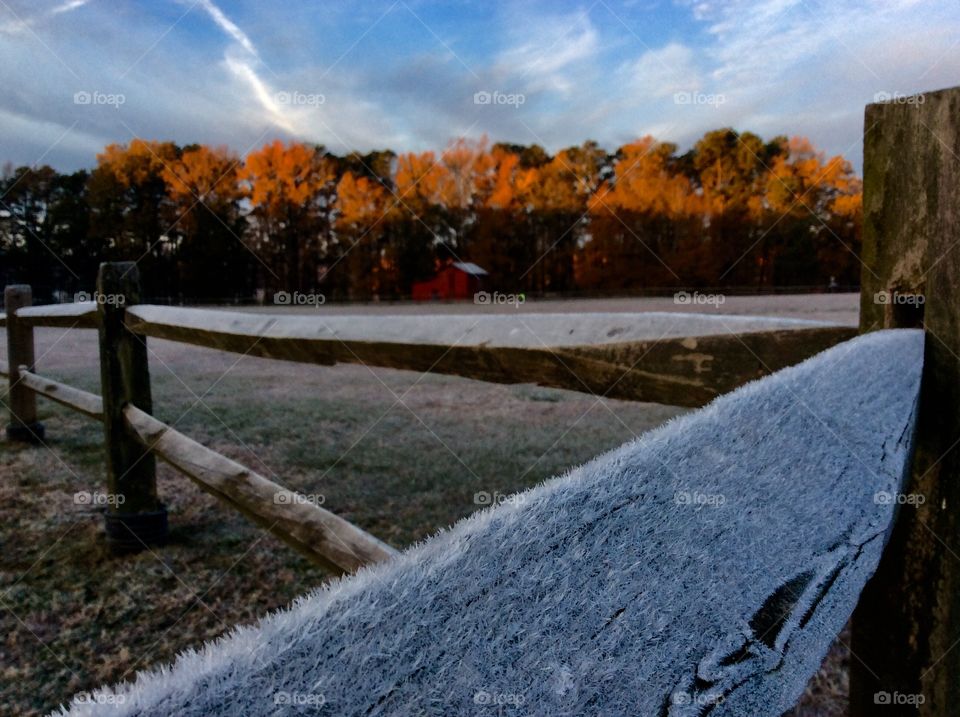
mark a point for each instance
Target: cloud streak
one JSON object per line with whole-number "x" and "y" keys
{"x": 228, "y": 26}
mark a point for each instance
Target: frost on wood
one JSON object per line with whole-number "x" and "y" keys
{"x": 702, "y": 569}
{"x": 673, "y": 358}
{"x": 500, "y": 330}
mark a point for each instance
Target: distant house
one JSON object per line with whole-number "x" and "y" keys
{"x": 457, "y": 280}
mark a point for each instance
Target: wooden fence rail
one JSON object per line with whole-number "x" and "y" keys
{"x": 80, "y": 315}
{"x": 702, "y": 571}
{"x": 316, "y": 533}
{"x": 677, "y": 359}
{"x": 88, "y": 404}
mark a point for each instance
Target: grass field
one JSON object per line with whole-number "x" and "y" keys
{"x": 399, "y": 454}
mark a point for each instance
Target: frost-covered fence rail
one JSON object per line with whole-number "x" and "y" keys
{"x": 316, "y": 533}
{"x": 702, "y": 569}
{"x": 84, "y": 402}
{"x": 672, "y": 358}
{"x": 77, "y": 315}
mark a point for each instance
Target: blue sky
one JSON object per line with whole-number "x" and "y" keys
{"x": 78, "y": 74}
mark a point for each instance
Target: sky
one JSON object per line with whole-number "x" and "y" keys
{"x": 77, "y": 75}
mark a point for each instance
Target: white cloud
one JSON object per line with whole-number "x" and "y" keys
{"x": 21, "y": 23}
{"x": 49, "y": 137}
{"x": 228, "y": 26}
{"x": 68, "y": 6}
{"x": 662, "y": 72}
{"x": 809, "y": 66}
{"x": 263, "y": 95}
{"x": 551, "y": 49}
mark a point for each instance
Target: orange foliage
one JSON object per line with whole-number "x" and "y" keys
{"x": 419, "y": 178}
{"x": 138, "y": 162}
{"x": 644, "y": 183}
{"x": 204, "y": 174}
{"x": 279, "y": 177}
{"x": 361, "y": 201}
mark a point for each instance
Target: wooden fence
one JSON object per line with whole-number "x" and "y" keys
{"x": 911, "y": 230}
{"x": 605, "y": 354}
{"x": 133, "y": 437}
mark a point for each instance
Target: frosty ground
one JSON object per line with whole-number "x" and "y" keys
{"x": 398, "y": 453}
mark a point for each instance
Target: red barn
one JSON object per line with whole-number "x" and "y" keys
{"x": 457, "y": 280}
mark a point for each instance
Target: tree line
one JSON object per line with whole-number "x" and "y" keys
{"x": 205, "y": 224}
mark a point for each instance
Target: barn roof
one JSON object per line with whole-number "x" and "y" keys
{"x": 468, "y": 267}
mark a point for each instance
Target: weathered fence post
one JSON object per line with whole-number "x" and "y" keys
{"x": 906, "y": 654}
{"x": 23, "y": 402}
{"x": 135, "y": 516}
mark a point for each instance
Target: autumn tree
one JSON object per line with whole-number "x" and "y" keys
{"x": 809, "y": 207}
{"x": 730, "y": 170}
{"x": 291, "y": 189}
{"x": 365, "y": 211}
{"x": 499, "y": 239}
{"x": 127, "y": 196}
{"x": 206, "y": 224}
{"x": 429, "y": 214}
{"x": 642, "y": 219}
{"x": 558, "y": 219}
{"x": 734, "y": 210}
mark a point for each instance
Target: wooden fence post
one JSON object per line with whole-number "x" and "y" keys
{"x": 23, "y": 402}
{"x": 906, "y": 630}
{"x": 135, "y": 516}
